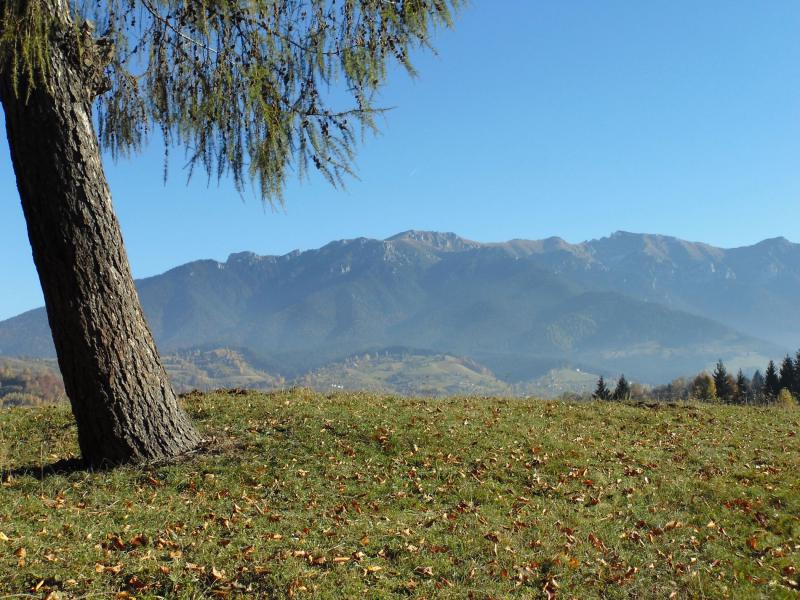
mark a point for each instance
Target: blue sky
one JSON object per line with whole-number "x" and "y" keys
{"x": 535, "y": 119}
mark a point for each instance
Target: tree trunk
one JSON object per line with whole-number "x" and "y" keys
{"x": 123, "y": 403}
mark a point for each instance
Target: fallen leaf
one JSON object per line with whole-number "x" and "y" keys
{"x": 136, "y": 583}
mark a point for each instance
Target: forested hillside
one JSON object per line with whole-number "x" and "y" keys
{"x": 652, "y": 307}
{"x": 30, "y": 382}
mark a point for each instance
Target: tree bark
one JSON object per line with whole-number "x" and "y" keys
{"x": 125, "y": 408}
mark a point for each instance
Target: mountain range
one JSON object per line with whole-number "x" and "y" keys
{"x": 651, "y": 306}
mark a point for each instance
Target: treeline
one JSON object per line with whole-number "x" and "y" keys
{"x": 622, "y": 392}
{"x": 29, "y": 383}
{"x": 779, "y": 385}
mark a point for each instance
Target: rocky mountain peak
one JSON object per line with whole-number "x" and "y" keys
{"x": 443, "y": 241}
{"x": 243, "y": 257}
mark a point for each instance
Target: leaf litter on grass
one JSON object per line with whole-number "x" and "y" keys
{"x": 302, "y": 494}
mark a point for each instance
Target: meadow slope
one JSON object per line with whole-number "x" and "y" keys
{"x": 304, "y": 495}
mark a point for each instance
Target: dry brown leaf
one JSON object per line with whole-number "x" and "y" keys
{"x": 136, "y": 583}
{"x": 101, "y": 568}
{"x": 117, "y": 541}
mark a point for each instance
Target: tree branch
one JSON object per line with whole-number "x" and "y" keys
{"x": 168, "y": 24}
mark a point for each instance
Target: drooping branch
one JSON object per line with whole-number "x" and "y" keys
{"x": 251, "y": 88}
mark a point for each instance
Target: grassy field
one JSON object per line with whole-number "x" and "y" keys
{"x": 303, "y": 495}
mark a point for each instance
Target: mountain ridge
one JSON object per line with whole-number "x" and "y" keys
{"x": 536, "y": 300}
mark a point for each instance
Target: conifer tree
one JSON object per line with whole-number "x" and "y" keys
{"x": 742, "y": 388}
{"x": 722, "y": 382}
{"x": 622, "y": 392}
{"x": 786, "y": 376}
{"x": 757, "y": 387}
{"x": 244, "y": 85}
{"x": 601, "y": 392}
{"x": 796, "y": 389}
{"x": 771, "y": 383}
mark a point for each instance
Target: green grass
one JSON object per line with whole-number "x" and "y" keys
{"x": 363, "y": 496}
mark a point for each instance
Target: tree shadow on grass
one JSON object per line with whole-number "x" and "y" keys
{"x": 65, "y": 466}
{"x": 69, "y": 466}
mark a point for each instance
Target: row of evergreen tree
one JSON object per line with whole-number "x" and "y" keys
{"x": 774, "y": 385}
{"x": 622, "y": 391}
{"x": 765, "y": 388}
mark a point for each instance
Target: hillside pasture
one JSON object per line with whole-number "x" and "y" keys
{"x": 304, "y": 495}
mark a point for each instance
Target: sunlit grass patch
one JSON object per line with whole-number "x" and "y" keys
{"x": 357, "y": 495}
